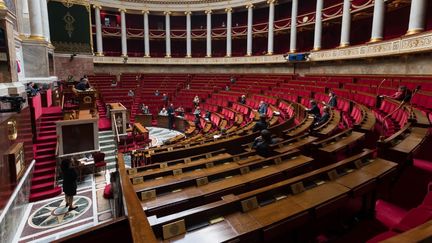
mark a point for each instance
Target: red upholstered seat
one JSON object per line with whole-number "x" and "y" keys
{"x": 414, "y": 218}
{"x": 388, "y": 214}
{"x": 108, "y": 192}
{"x": 99, "y": 160}
{"x": 382, "y": 236}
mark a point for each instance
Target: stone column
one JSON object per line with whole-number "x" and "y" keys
{"x": 209, "y": 33}
{"x": 318, "y": 25}
{"x": 99, "y": 44}
{"x": 229, "y": 32}
{"x": 293, "y": 34}
{"x": 167, "y": 34}
{"x": 417, "y": 16}
{"x": 249, "y": 30}
{"x": 270, "y": 27}
{"x": 188, "y": 34}
{"x": 45, "y": 20}
{"x": 378, "y": 21}
{"x": 346, "y": 24}
{"x": 146, "y": 34}
{"x": 36, "y": 29}
{"x": 123, "y": 32}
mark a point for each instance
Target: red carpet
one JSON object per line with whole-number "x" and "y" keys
{"x": 43, "y": 182}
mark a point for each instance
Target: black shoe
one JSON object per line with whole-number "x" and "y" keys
{"x": 71, "y": 209}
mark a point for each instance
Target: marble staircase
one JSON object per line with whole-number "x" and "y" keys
{"x": 108, "y": 146}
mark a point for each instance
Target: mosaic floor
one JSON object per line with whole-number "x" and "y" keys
{"x": 48, "y": 220}
{"x": 159, "y": 135}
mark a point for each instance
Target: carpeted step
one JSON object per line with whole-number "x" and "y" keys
{"x": 42, "y": 145}
{"x": 45, "y": 164}
{"x": 44, "y": 157}
{"x": 51, "y": 138}
{"x": 44, "y": 171}
{"x": 51, "y": 110}
{"x": 48, "y": 128}
{"x": 45, "y": 194}
{"x": 43, "y": 179}
{"x": 45, "y": 151}
{"x": 41, "y": 187}
{"x": 47, "y": 133}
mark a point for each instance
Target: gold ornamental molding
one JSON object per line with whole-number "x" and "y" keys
{"x": 403, "y": 45}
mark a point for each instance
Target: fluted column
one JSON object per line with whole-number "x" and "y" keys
{"x": 167, "y": 34}
{"x": 146, "y": 34}
{"x": 249, "y": 30}
{"x": 417, "y": 16}
{"x": 378, "y": 21}
{"x": 123, "y": 32}
{"x": 270, "y": 27}
{"x": 229, "y": 32}
{"x": 209, "y": 32}
{"x": 346, "y": 24}
{"x": 188, "y": 34}
{"x": 318, "y": 25}
{"x": 99, "y": 44}
{"x": 35, "y": 16}
{"x": 293, "y": 34}
{"x": 45, "y": 20}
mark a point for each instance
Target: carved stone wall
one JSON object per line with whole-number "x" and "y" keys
{"x": 76, "y": 66}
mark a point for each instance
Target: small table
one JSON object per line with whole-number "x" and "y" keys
{"x": 85, "y": 163}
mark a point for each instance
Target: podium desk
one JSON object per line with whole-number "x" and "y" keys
{"x": 179, "y": 123}
{"x": 162, "y": 121}
{"x": 144, "y": 119}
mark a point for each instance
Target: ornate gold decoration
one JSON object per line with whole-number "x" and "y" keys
{"x": 343, "y": 45}
{"x": 2, "y": 5}
{"x": 69, "y": 20}
{"x": 414, "y": 31}
{"x": 87, "y": 99}
{"x": 12, "y": 130}
{"x": 69, "y": 47}
{"x": 373, "y": 40}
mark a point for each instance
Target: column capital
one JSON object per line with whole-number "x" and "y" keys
{"x": 2, "y": 5}
{"x": 145, "y": 11}
{"x": 208, "y": 11}
{"x": 122, "y": 10}
{"x": 249, "y": 5}
{"x": 188, "y": 13}
{"x": 97, "y": 6}
{"x": 167, "y": 12}
{"x": 229, "y": 10}
{"x": 271, "y": 1}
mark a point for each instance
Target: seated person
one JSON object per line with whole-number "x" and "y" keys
{"x": 197, "y": 111}
{"x": 243, "y": 99}
{"x": 113, "y": 83}
{"x": 324, "y": 118}
{"x": 227, "y": 88}
{"x": 32, "y": 90}
{"x": 131, "y": 93}
{"x": 144, "y": 109}
{"x": 156, "y": 92}
{"x": 403, "y": 94}
{"x": 314, "y": 110}
{"x": 332, "y": 102}
{"x": 262, "y": 144}
{"x": 233, "y": 79}
{"x": 83, "y": 85}
{"x": 163, "y": 112}
{"x": 207, "y": 116}
{"x": 180, "y": 111}
{"x": 196, "y": 100}
{"x": 262, "y": 108}
{"x": 261, "y": 124}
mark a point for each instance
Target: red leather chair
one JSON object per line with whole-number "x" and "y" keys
{"x": 99, "y": 161}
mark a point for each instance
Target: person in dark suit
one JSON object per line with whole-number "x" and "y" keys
{"x": 332, "y": 102}
{"x": 83, "y": 85}
{"x": 171, "y": 114}
{"x": 243, "y": 99}
{"x": 197, "y": 123}
{"x": 262, "y": 144}
{"x": 261, "y": 124}
{"x": 324, "y": 118}
{"x": 314, "y": 110}
{"x": 262, "y": 108}
{"x": 69, "y": 183}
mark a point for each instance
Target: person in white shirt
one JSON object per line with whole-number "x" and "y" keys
{"x": 163, "y": 112}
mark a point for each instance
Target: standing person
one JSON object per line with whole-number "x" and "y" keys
{"x": 196, "y": 101}
{"x": 197, "y": 111}
{"x": 69, "y": 183}
{"x": 171, "y": 114}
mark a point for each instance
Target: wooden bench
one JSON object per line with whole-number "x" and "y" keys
{"x": 330, "y": 126}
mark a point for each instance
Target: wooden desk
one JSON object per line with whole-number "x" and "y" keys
{"x": 299, "y": 143}
{"x": 180, "y": 123}
{"x": 344, "y": 142}
{"x": 144, "y": 119}
{"x": 319, "y": 195}
{"x": 116, "y": 106}
{"x": 140, "y": 128}
{"x": 85, "y": 114}
{"x": 331, "y": 124}
{"x": 410, "y": 143}
{"x": 369, "y": 119}
{"x": 162, "y": 121}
